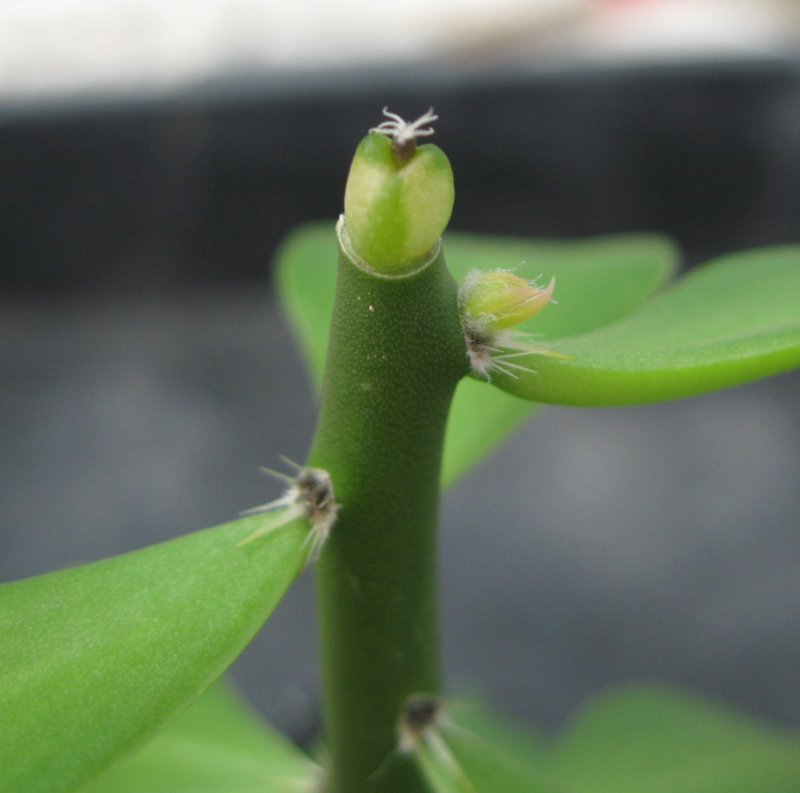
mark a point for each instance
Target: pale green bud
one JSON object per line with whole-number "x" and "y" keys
{"x": 398, "y": 198}
{"x": 498, "y": 300}
{"x": 492, "y": 304}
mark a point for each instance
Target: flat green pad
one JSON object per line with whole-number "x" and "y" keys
{"x": 627, "y": 740}
{"x": 734, "y": 320}
{"x": 216, "y": 746}
{"x": 95, "y": 659}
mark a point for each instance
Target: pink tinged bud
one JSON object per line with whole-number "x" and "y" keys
{"x": 499, "y": 300}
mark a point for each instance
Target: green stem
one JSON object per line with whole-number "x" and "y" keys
{"x": 396, "y": 354}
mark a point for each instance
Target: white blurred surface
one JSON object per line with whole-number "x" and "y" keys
{"x": 53, "y": 48}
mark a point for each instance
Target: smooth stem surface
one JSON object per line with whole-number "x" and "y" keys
{"x": 396, "y": 354}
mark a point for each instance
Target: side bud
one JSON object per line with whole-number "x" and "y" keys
{"x": 399, "y": 197}
{"x": 499, "y": 299}
{"x": 492, "y": 304}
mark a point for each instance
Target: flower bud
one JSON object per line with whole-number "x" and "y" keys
{"x": 499, "y": 299}
{"x": 398, "y": 198}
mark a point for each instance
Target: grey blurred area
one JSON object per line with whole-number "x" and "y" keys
{"x": 146, "y": 370}
{"x": 657, "y": 544}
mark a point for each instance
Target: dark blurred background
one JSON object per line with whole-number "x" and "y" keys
{"x": 146, "y": 371}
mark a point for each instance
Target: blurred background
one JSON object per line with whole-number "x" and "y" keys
{"x": 152, "y": 157}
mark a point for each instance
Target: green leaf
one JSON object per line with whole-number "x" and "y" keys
{"x": 627, "y": 740}
{"x": 216, "y": 746}
{"x": 731, "y": 321}
{"x": 94, "y": 659}
{"x": 475, "y": 722}
{"x": 480, "y": 418}
{"x": 474, "y": 752}
{"x": 599, "y": 281}
{"x": 655, "y": 740}
{"x": 306, "y": 280}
